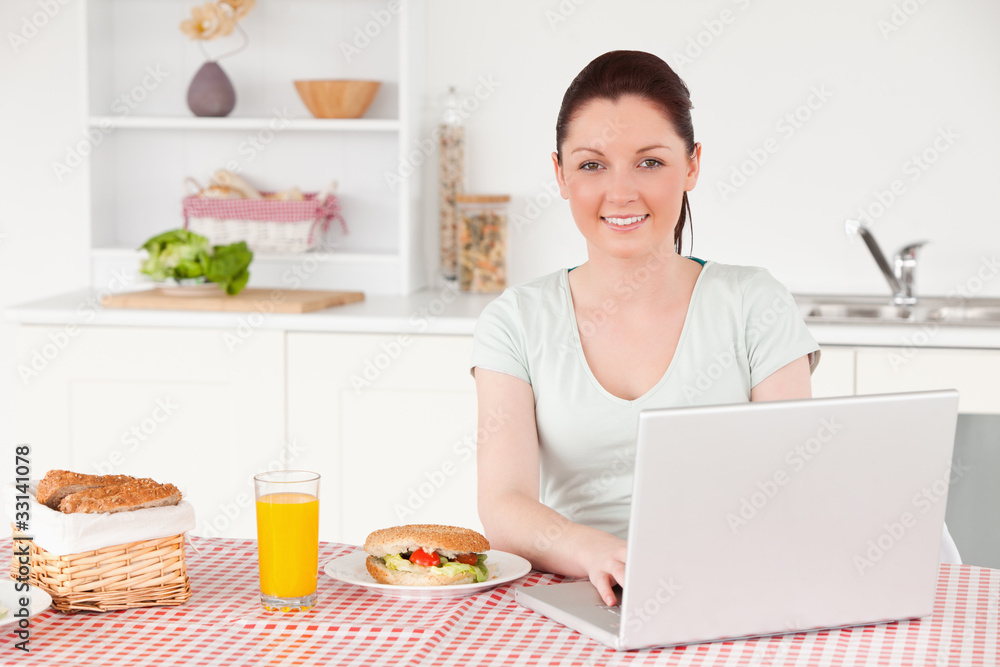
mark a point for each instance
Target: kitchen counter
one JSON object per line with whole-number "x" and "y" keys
{"x": 438, "y": 311}
{"x": 432, "y": 311}
{"x": 907, "y": 335}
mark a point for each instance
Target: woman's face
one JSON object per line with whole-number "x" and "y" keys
{"x": 624, "y": 171}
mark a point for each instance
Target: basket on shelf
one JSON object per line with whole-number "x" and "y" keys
{"x": 149, "y": 573}
{"x": 267, "y": 225}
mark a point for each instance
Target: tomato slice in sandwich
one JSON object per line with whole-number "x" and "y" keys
{"x": 421, "y": 557}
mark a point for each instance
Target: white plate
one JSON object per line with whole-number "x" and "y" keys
{"x": 503, "y": 567}
{"x": 10, "y": 598}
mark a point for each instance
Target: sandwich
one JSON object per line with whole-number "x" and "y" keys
{"x": 427, "y": 555}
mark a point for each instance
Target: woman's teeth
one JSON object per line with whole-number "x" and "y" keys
{"x": 621, "y": 222}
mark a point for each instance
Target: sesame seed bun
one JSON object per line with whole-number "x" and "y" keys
{"x": 449, "y": 541}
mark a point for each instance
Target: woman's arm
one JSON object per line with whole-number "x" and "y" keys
{"x": 789, "y": 381}
{"x": 508, "y": 478}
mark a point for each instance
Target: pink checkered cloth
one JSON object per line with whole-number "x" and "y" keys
{"x": 266, "y": 209}
{"x": 226, "y": 220}
{"x": 223, "y": 624}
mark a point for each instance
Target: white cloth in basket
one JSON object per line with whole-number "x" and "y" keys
{"x": 63, "y": 534}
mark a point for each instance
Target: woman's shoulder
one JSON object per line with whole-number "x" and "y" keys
{"x": 737, "y": 276}
{"x": 543, "y": 291}
{"x": 748, "y": 292}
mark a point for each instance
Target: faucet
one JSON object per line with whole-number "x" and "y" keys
{"x": 904, "y": 263}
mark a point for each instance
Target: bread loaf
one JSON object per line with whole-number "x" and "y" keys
{"x": 136, "y": 495}
{"x": 71, "y": 492}
{"x": 57, "y": 484}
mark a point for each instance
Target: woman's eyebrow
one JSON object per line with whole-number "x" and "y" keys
{"x": 654, "y": 146}
{"x": 587, "y": 149}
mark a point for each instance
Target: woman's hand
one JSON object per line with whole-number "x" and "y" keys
{"x": 605, "y": 565}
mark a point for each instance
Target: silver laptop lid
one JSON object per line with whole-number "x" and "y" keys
{"x": 755, "y": 519}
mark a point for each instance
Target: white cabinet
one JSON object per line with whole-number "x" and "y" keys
{"x": 846, "y": 371}
{"x": 139, "y": 140}
{"x": 390, "y": 423}
{"x": 183, "y": 406}
{"x": 834, "y": 376}
{"x": 973, "y": 373}
{"x": 388, "y": 420}
{"x": 972, "y": 496}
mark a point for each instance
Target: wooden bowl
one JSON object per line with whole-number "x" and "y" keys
{"x": 337, "y": 98}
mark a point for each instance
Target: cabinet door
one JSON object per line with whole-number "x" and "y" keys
{"x": 834, "y": 376}
{"x": 389, "y": 421}
{"x": 972, "y": 372}
{"x": 186, "y": 406}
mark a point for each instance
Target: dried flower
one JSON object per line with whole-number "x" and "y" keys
{"x": 215, "y": 19}
{"x": 240, "y": 8}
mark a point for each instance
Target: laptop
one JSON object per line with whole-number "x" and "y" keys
{"x": 766, "y": 518}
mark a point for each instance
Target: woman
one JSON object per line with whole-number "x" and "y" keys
{"x": 564, "y": 363}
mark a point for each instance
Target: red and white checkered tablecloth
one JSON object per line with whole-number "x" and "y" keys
{"x": 223, "y": 624}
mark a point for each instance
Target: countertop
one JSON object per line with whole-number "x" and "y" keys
{"x": 441, "y": 311}
{"x": 432, "y": 311}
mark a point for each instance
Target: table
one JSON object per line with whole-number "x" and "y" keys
{"x": 223, "y": 624}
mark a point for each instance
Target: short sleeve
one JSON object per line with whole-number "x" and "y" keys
{"x": 498, "y": 340}
{"x": 775, "y": 334}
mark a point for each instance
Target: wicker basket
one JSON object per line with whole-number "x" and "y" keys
{"x": 138, "y": 574}
{"x": 267, "y": 225}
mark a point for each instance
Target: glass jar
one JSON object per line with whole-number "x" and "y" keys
{"x": 482, "y": 242}
{"x": 451, "y": 181}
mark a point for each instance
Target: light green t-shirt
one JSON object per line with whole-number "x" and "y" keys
{"x": 741, "y": 326}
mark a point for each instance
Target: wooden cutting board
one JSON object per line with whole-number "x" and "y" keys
{"x": 263, "y": 300}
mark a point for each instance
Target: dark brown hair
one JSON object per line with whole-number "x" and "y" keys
{"x": 618, "y": 74}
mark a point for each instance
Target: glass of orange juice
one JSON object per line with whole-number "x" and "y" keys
{"x": 287, "y": 538}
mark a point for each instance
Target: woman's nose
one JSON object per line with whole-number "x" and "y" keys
{"x": 622, "y": 187}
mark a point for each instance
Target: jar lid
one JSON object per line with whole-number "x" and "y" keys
{"x": 482, "y": 199}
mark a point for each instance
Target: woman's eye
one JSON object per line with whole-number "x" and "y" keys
{"x": 589, "y": 166}
{"x": 651, "y": 162}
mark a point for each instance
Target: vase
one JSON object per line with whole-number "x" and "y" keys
{"x": 211, "y": 93}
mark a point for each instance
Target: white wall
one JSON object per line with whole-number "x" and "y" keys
{"x": 888, "y": 97}
{"x": 43, "y": 238}
{"x": 890, "y": 94}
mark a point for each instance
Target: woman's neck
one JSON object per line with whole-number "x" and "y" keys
{"x": 659, "y": 277}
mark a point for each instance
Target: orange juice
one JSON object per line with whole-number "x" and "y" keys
{"x": 288, "y": 544}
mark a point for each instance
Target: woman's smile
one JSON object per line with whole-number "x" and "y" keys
{"x": 624, "y": 223}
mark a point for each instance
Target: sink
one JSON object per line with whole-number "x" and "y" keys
{"x": 878, "y": 310}
{"x": 966, "y": 315}
{"x": 844, "y": 311}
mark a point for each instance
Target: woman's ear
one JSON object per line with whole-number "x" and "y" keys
{"x": 694, "y": 168}
{"x": 560, "y": 178}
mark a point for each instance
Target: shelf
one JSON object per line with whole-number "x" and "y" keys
{"x": 274, "y": 123}
{"x": 153, "y": 141}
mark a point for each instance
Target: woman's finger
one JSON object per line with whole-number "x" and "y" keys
{"x": 602, "y": 583}
{"x": 618, "y": 572}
